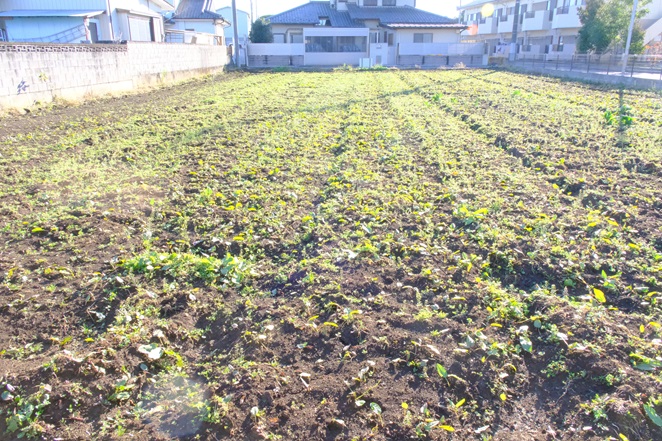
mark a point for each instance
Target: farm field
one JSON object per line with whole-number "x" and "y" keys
{"x": 388, "y": 255}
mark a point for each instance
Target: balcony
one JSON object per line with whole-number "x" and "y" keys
{"x": 487, "y": 26}
{"x": 566, "y": 17}
{"x": 536, "y": 21}
{"x": 505, "y": 24}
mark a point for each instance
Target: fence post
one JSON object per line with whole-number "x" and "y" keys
{"x": 557, "y": 61}
{"x": 544, "y": 62}
{"x": 609, "y": 64}
{"x": 588, "y": 63}
{"x": 634, "y": 60}
{"x": 572, "y": 60}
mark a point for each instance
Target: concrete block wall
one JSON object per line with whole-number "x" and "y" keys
{"x": 31, "y": 73}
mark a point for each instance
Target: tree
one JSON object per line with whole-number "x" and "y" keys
{"x": 605, "y": 25}
{"x": 261, "y": 31}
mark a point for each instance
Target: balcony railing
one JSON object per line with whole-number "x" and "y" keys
{"x": 563, "y": 10}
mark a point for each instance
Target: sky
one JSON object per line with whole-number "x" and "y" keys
{"x": 270, "y": 7}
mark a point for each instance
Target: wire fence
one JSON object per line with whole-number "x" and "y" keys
{"x": 640, "y": 66}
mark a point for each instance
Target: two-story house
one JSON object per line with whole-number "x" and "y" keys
{"x": 344, "y": 31}
{"x": 545, "y": 27}
{"x": 75, "y": 21}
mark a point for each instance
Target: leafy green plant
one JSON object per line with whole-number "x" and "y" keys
{"x": 24, "y": 418}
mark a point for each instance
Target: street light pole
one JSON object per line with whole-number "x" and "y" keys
{"x": 629, "y": 40}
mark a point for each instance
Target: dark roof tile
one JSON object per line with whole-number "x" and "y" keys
{"x": 310, "y": 13}
{"x": 400, "y": 15}
{"x": 196, "y": 10}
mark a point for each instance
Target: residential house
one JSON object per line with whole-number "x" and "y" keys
{"x": 337, "y": 32}
{"x": 545, "y": 27}
{"x": 76, "y": 21}
{"x": 243, "y": 24}
{"x": 198, "y": 19}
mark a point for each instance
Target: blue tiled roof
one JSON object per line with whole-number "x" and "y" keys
{"x": 196, "y": 10}
{"x": 400, "y": 15}
{"x": 310, "y": 13}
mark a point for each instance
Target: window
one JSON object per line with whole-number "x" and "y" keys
{"x": 336, "y": 44}
{"x": 296, "y": 38}
{"x": 388, "y": 2}
{"x": 3, "y": 35}
{"x": 140, "y": 29}
{"x": 423, "y": 38}
{"x": 348, "y": 44}
{"x": 369, "y": 2}
{"x": 319, "y": 44}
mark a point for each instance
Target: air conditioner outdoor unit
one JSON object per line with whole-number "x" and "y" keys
{"x": 365, "y": 63}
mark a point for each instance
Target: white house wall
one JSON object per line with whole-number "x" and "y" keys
{"x": 273, "y": 49}
{"x": 243, "y": 20}
{"x": 29, "y": 28}
{"x": 438, "y": 35}
{"x": 35, "y": 27}
{"x": 205, "y": 26}
{"x": 8, "y": 5}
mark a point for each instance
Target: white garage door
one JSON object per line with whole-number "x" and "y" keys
{"x": 140, "y": 29}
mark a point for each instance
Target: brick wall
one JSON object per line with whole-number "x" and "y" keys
{"x": 32, "y": 73}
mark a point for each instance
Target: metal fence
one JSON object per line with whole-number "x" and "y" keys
{"x": 640, "y": 66}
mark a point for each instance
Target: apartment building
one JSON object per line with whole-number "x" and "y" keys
{"x": 545, "y": 27}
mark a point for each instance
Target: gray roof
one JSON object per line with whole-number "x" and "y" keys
{"x": 196, "y": 10}
{"x": 402, "y": 16}
{"x": 310, "y": 13}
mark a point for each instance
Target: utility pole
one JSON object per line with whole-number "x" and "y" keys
{"x": 110, "y": 20}
{"x": 513, "y": 42}
{"x": 629, "y": 40}
{"x": 235, "y": 37}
